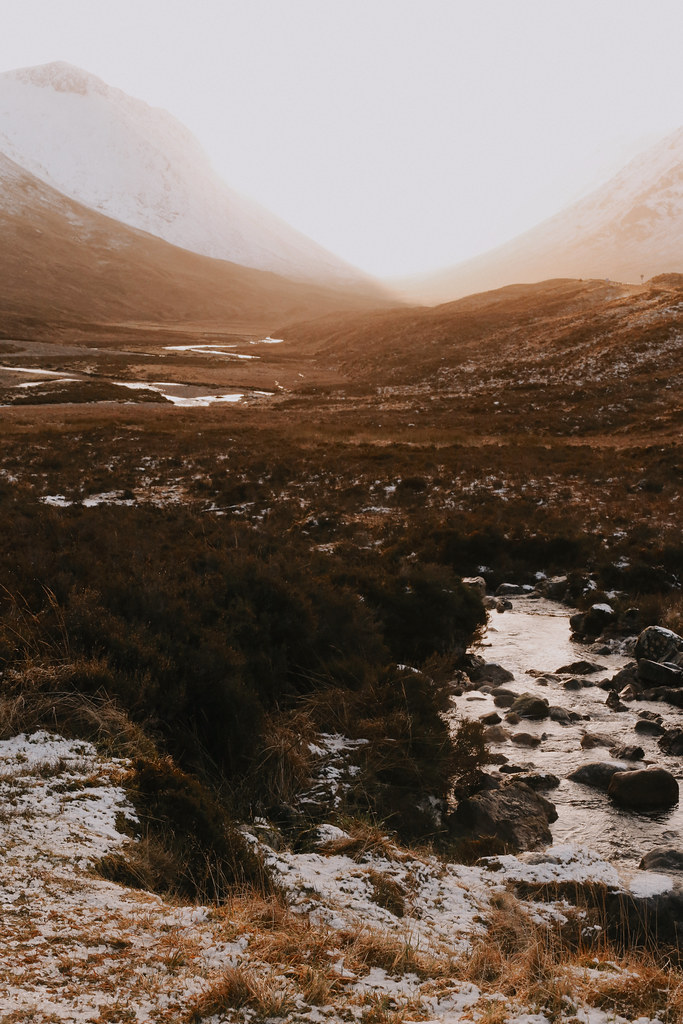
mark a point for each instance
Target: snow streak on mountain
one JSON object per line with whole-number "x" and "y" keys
{"x": 141, "y": 166}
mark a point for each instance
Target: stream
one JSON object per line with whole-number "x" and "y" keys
{"x": 535, "y": 635}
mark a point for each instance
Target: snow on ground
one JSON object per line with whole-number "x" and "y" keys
{"x": 76, "y": 948}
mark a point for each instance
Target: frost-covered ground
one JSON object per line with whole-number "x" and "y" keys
{"x": 80, "y": 949}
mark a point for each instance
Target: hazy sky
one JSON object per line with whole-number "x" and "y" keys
{"x": 404, "y": 135}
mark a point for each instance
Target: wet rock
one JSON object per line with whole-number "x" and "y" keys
{"x": 672, "y": 742}
{"x": 490, "y": 603}
{"x": 526, "y": 739}
{"x": 541, "y": 780}
{"x": 476, "y": 583}
{"x": 509, "y": 590}
{"x": 647, "y": 728}
{"x": 558, "y": 714}
{"x": 668, "y": 694}
{"x": 626, "y": 675}
{"x": 529, "y": 706}
{"x": 579, "y": 668}
{"x": 493, "y": 718}
{"x": 491, "y": 673}
{"x": 590, "y": 740}
{"x": 512, "y": 718}
{"x": 513, "y": 812}
{"x": 597, "y": 774}
{"x": 496, "y": 734}
{"x": 572, "y": 684}
{"x": 503, "y": 605}
{"x": 594, "y": 621}
{"x": 613, "y": 702}
{"x": 503, "y": 698}
{"x": 512, "y": 769}
{"x": 662, "y": 858}
{"x": 648, "y": 789}
{"x": 627, "y": 752}
{"x": 660, "y": 673}
{"x": 631, "y": 692}
{"x": 658, "y": 644}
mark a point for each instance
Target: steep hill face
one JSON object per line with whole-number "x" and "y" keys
{"x": 141, "y": 166}
{"x": 60, "y": 259}
{"x": 631, "y": 226}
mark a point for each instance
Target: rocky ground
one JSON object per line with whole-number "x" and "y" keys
{"x": 360, "y": 929}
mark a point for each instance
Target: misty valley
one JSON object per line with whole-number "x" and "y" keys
{"x": 341, "y": 637}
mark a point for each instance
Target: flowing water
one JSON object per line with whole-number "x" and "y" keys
{"x": 535, "y": 635}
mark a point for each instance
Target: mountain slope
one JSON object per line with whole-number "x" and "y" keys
{"x": 631, "y": 226}
{"x": 139, "y": 165}
{"x": 60, "y": 259}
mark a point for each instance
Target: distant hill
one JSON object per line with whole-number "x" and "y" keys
{"x": 141, "y": 166}
{"x": 631, "y": 226}
{"x": 60, "y": 260}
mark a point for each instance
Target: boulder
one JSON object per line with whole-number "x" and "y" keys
{"x": 626, "y": 675}
{"x": 496, "y": 734}
{"x": 670, "y": 694}
{"x": 491, "y": 673}
{"x": 660, "y": 673}
{"x": 672, "y": 742}
{"x": 476, "y": 583}
{"x": 649, "y": 789}
{"x": 662, "y": 858}
{"x": 558, "y": 714}
{"x": 590, "y": 740}
{"x": 513, "y": 812}
{"x": 493, "y": 718}
{"x": 572, "y": 684}
{"x": 526, "y": 739}
{"x": 541, "y": 780}
{"x": 503, "y": 698}
{"x": 579, "y": 668}
{"x": 658, "y": 644}
{"x": 647, "y": 728}
{"x": 627, "y": 752}
{"x": 509, "y": 590}
{"x": 528, "y": 706}
{"x": 597, "y": 775}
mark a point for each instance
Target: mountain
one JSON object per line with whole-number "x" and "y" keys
{"x": 631, "y": 226}
{"x": 141, "y": 166}
{"x": 61, "y": 260}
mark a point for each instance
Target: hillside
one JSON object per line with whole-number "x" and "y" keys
{"x": 139, "y": 165}
{"x": 629, "y": 228}
{"x": 61, "y": 260}
{"x": 557, "y": 357}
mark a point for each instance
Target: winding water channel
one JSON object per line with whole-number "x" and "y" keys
{"x": 535, "y": 635}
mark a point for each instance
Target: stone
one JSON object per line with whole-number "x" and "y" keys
{"x": 503, "y": 605}
{"x": 590, "y": 740}
{"x": 511, "y": 769}
{"x": 491, "y": 673}
{"x": 528, "y": 706}
{"x": 503, "y": 698}
{"x": 627, "y": 752}
{"x": 541, "y": 780}
{"x": 660, "y": 673}
{"x": 558, "y": 714}
{"x": 662, "y": 858}
{"x": 647, "y": 728}
{"x": 613, "y": 702}
{"x": 672, "y": 742}
{"x": 509, "y": 590}
{"x": 597, "y": 618}
{"x": 670, "y": 694}
{"x": 513, "y": 812}
{"x": 656, "y": 643}
{"x": 648, "y": 789}
{"x": 476, "y": 583}
{"x": 597, "y": 774}
{"x": 512, "y": 718}
{"x": 572, "y": 684}
{"x": 579, "y": 668}
{"x": 496, "y": 734}
{"x": 493, "y": 718}
{"x": 526, "y": 739}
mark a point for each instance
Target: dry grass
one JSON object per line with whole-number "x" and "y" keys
{"x": 363, "y": 839}
{"x": 265, "y": 994}
{"x": 285, "y": 766}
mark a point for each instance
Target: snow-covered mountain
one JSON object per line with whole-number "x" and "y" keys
{"x": 141, "y": 166}
{"x": 61, "y": 260}
{"x": 631, "y": 226}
